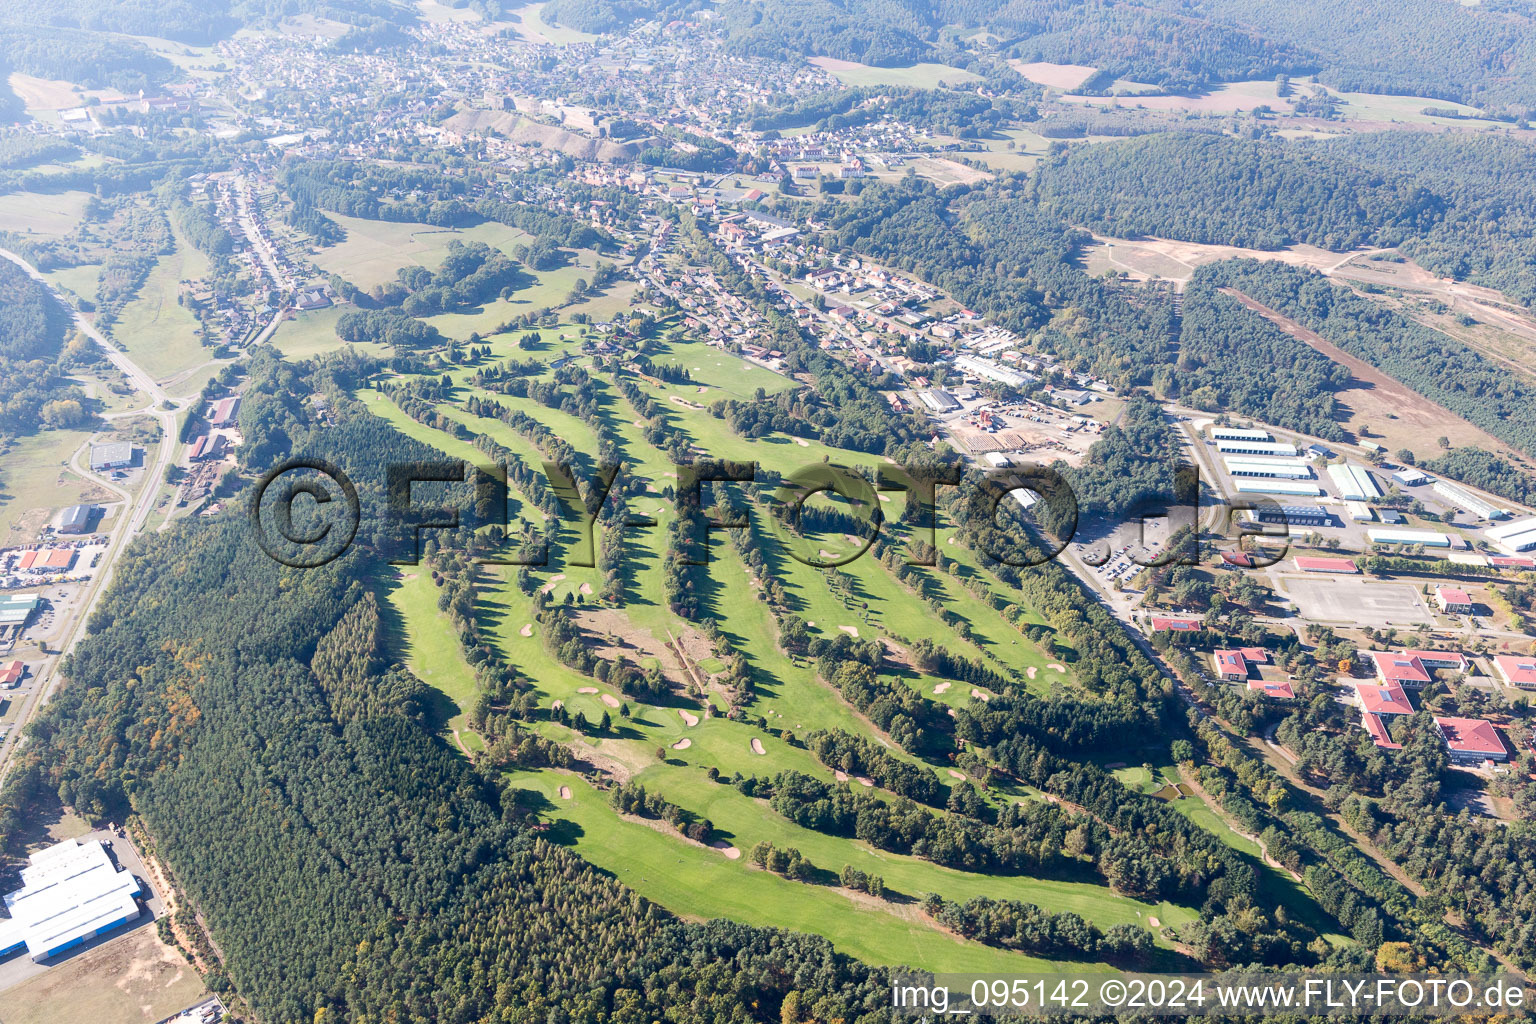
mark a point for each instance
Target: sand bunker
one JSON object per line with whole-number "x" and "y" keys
{"x": 840, "y": 776}
{"x": 1054, "y": 667}
{"x": 586, "y": 588}
{"x": 979, "y": 695}
{"x": 953, "y": 713}
{"x": 527, "y": 629}
{"x": 1031, "y": 671}
{"x": 941, "y": 688}
{"x": 865, "y": 782}
{"x": 610, "y": 700}
{"x": 682, "y": 744}
{"x": 956, "y": 775}
{"x": 690, "y": 720}
{"x": 757, "y": 746}
{"x": 1154, "y": 922}
{"x": 731, "y": 853}
{"x": 586, "y": 689}
{"x": 556, "y": 578}
{"x": 852, "y": 631}
{"x": 565, "y": 792}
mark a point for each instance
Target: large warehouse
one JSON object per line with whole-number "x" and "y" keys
{"x": 1428, "y": 538}
{"x": 1290, "y": 488}
{"x": 1269, "y": 449}
{"x": 1514, "y": 538}
{"x": 1355, "y": 483}
{"x": 1465, "y": 499}
{"x": 1239, "y": 434}
{"x": 1285, "y": 469}
{"x": 71, "y": 892}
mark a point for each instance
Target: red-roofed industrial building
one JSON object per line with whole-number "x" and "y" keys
{"x": 1472, "y": 740}
{"x": 1176, "y": 624}
{"x": 1516, "y": 670}
{"x": 46, "y": 559}
{"x": 1344, "y": 565}
{"x": 1379, "y": 699}
{"x": 11, "y": 673}
{"x": 1278, "y": 690}
{"x": 1453, "y": 600}
{"x": 222, "y": 412}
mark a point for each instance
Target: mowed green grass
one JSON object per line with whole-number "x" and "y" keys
{"x": 313, "y": 332}
{"x": 157, "y": 331}
{"x": 697, "y": 882}
{"x": 375, "y": 249}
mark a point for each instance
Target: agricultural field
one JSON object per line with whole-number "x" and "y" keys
{"x": 534, "y": 28}
{"x": 52, "y": 214}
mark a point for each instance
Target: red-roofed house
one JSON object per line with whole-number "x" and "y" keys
{"x": 1280, "y": 691}
{"x": 1516, "y": 670}
{"x": 1379, "y": 699}
{"x": 1453, "y": 600}
{"x": 11, "y": 673}
{"x": 1230, "y": 665}
{"x": 1177, "y": 625}
{"x": 1472, "y": 740}
{"x": 1343, "y": 565}
{"x": 1378, "y": 730}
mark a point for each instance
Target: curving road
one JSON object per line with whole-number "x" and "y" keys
{"x": 129, "y": 524}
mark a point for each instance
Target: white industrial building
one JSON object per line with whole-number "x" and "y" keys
{"x": 1238, "y": 434}
{"x": 938, "y": 400}
{"x": 991, "y": 371}
{"x": 1428, "y": 538}
{"x": 71, "y": 892}
{"x": 1285, "y": 469}
{"x": 1271, "y": 449}
{"x": 1287, "y": 487}
{"x": 1355, "y": 483}
{"x": 1465, "y": 499}
{"x": 1359, "y": 511}
{"x": 1514, "y": 538}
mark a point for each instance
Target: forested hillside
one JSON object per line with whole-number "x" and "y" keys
{"x": 32, "y": 332}
{"x": 1225, "y": 191}
{"x": 1431, "y": 363}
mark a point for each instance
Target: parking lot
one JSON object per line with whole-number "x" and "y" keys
{"x": 1358, "y": 602}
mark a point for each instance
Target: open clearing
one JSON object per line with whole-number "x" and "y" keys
{"x": 1398, "y": 416}
{"x": 38, "y": 483}
{"x": 375, "y": 249}
{"x": 1361, "y": 602}
{"x": 1055, "y": 76}
{"x": 918, "y": 76}
{"x": 157, "y": 330}
{"x": 1225, "y": 99}
{"x": 1145, "y": 258}
{"x": 134, "y": 978}
{"x": 532, "y": 27}
{"x": 53, "y": 214}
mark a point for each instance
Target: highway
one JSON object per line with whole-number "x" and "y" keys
{"x": 129, "y": 524}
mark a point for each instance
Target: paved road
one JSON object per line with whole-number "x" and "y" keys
{"x": 129, "y": 524}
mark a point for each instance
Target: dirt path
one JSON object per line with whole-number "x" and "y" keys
{"x": 1193, "y": 783}
{"x": 1378, "y": 399}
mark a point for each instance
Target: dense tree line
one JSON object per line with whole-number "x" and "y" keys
{"x": 1435, "y": 365}
{"x": 1233, "y": 360}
